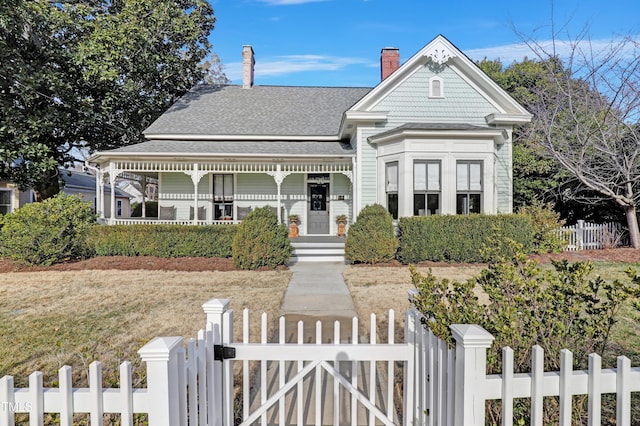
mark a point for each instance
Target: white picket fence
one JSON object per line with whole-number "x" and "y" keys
{"x": 194, "y": 385}
{"x": 590, "y": 236}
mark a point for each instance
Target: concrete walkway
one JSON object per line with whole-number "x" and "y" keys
{"x": 317, "y": 289}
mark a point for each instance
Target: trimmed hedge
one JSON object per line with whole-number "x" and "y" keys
{"x": 163, "y": 240}
{"x": 460, "y": 238}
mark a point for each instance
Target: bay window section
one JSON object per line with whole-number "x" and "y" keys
{"x": 469, "y": 187}
{"x": 426, "y": 188}
{"x": 223, "y": 197}
{"x": 391, "y": 188}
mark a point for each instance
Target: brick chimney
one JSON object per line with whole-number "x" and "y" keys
{"x": 248, "y": 63}
{"x": 389, "y": 61}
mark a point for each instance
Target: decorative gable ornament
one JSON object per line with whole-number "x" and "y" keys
{"x": 439, "y": 53}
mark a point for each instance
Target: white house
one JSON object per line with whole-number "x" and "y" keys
{"x": 434, "y": 137}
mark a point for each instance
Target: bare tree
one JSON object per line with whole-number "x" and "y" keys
{"x": 589, "y": 116}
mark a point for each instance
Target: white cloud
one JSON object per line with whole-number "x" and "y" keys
{"x": 517, "y": 51}
{"x": 283, "y": 65}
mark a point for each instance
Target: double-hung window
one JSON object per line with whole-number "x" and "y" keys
{"x": 223, "y": 197}
{"x": 469, "y": 187}
{"x": 391, "y": 188}
{"x": 6, "y": 204}
{"x": 426, "y": 188}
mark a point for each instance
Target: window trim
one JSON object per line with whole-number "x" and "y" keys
{"x": 432, "y": 93}
{"x": 224, "y": 203}
{"x": 11, "y": 204}
{"x": 389, "y": 192}
{"x": 468, "y": 192}
{"x": 427, "y": 192}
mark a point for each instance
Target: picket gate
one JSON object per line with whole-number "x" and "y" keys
{"x": 218, "y": 381}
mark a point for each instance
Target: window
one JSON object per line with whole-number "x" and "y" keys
{"x": 436, "y": 89}
{"x": 469, "y": 187}
{"x": 426, "y": 188}
{"x": 6, "y": 204}
{"x": 118, "y": 208}
{"x": 223, "y": 197}
{"x": 391, "y": 188}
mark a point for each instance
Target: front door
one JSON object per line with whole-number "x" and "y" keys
{"x": 318, "y": 208}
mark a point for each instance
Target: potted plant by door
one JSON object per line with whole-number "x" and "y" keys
{"x": 293, "y": 225}
{"x": 342, "y": 221}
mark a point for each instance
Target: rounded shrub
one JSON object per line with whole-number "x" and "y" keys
{"x": 48, "y": 232}
{"x": 261, "y": 242}
{"x": 371, "y": 239}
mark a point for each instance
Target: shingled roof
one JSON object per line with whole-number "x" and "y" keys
{"x": 259, "y": 111}
{"x": 272, "y": 148}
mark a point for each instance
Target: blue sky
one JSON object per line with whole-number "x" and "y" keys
{"x": 338, "y": 42}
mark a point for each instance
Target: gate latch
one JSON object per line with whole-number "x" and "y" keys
{"x": 220, "y": 352}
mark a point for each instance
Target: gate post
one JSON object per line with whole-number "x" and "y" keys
{"x": 216, "y": 391}
{"x": 472, "y": 342}
{"x": 163, "y": 379}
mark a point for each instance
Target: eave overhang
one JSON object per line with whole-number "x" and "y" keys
{"x": 508, "y": 119}
{"x": 499, "y": 136}
{"x": 194, "y": 137}
{"x": 350, "y": 118}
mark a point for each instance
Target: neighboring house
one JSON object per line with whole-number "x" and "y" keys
{"x": 434, "y": 137}
{"x": 11, "y": 198}
{"x": 138, "y": 194}
{"x": 72, "y": 182}
{"x": 83, "y": 184}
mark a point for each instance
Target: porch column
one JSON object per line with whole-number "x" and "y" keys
{"x": 354, "y": 192}
{"x": 196, "y": 178}
{"x": 278, "y": 176}
{"x": 195, "y": 175}
{"x": 100, "y": 193}
{"x": 144, "y": 198}
{"x": 112, "y": 182}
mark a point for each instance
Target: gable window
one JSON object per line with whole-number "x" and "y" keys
{"x": 391, "y": 188}
{"x": 436, "y": 87}
{"x": 222, "y": 197}
{"x": 426, "y": 188}
{"x": 6, "y": 204}
{"x": 469, "y": 187}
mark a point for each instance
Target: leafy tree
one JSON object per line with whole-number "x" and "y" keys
{"x": 90, "y": 75}
{"x": 537, "y": 177}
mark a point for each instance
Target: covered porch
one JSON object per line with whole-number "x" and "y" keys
{"x": 224, "y": 191}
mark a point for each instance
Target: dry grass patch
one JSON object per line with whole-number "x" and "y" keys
{"x": 51, "y": 319}
{"x": 378, "y": 289}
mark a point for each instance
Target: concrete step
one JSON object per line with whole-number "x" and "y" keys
{"x": 317, "y": 251}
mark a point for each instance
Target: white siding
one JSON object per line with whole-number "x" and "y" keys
{"x": 340, "y": 187}
{"x": 368, "y": 179}
{"x": 176, "y": 190}
{"x": 294, "y": 195}
{"x": 504, "y": 178}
